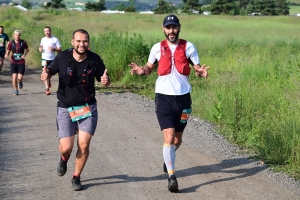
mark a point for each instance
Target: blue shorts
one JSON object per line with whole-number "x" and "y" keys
{"x": 17, "y": 68}
{"x": 169, "y": 109}
{"x": 67, "y": 128}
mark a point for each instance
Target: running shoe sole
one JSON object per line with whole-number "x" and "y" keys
{"x": 172, "y": 184}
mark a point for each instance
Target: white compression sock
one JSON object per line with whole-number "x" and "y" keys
{"x": 169, "y": 157}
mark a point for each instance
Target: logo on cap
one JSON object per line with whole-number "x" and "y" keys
{"x": 170, "y": 18}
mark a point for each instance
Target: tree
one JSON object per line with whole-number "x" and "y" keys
{"x": 120, "y": 7}
{"x": 55, "y": 4}
{"x": 191, "y": 5}
{"x": 265, "y": 7}
{"x": 131, "y": 7}
{"x": 96, "y": 6}
{"x": 164, "y": 7}
{"x": 205, "y": 2}
{"x": 26, "y": 4}
{"x": 282, "y": 7}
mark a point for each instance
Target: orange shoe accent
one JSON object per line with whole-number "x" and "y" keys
{"x": 48, "y": 92}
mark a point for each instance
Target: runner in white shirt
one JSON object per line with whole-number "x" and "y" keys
{"x": 48, "y": 47}
{"x": 172, "y": 88}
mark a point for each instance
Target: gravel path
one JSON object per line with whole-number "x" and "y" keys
{"x": 126, "y": 153}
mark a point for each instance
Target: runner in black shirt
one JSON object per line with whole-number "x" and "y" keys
{"x": 77, "y": 109}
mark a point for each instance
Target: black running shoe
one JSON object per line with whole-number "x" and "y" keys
{"x": 172, "y": 184}
{"x": 165, "y": 168}
{"x": 76, "y": 183}
{"x": 61, "y": 167}
{"x": 20, "y": 85}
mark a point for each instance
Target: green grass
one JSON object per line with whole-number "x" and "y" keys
{"x": 294, "y": 9}
{"x": 252, "y": 93}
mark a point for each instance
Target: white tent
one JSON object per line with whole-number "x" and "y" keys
{"x": 146, "y": 12}
{"x": 112, "y": 11}
{"x": 20, "y": 7}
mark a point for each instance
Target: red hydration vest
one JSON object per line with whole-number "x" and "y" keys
{"x": 180, "y": 60}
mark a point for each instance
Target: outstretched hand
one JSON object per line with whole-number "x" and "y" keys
{"x": 202, "y": 71}
{"x": 45, "y": 74}
{"x": 135, "y": 69}
{"x": 105, "y": 80}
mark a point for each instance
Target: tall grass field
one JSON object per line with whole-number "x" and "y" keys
{"x": 251, "y": 95}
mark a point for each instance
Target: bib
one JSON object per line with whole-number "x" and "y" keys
{"x": 17, "y": 56}
{"x": 185, "y": 115}
{"x": 79, "y": 112}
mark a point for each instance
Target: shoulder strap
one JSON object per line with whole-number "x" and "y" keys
{"x": 71, "y": 63}
{"x": 14, "y": 46}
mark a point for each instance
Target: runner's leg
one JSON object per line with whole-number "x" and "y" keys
{"x": 178, "y": 140}
{"x": 66, "y": 145}
{"x": 20, "y": 77}
{"x": 1, "y": 63}
{"x": 47, "y": 84}
{"x": 83, "y": 143}
{"x": 169, "y": 149}
{"x": 14, "y": 81}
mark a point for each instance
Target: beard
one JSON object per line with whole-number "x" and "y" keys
{"x": 172, "y": 40}
{"x": 80, "y": 53}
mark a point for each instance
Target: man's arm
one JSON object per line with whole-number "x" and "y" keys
{"x": 7, "y": 50}
{"x": 25, "y": 53}
{"x": 58, "y": 49}
{"x": 141, "y": 70}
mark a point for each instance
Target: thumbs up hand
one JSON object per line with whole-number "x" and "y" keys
{"x": 105, "y": 80}
{"x": 45, "y": 74}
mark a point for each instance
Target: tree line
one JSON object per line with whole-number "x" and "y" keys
{"x": 215, "y": 7}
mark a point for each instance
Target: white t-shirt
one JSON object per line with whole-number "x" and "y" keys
{"x": 173, "y": 83}
{"x": 45, "y": 43}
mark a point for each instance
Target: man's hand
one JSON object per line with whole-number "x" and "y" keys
{"x": 105, "y": 80}
{"x": 45, "y": 74}
{"x": 51, "y": 48}
{"x": 135, "y": 69}
{"x": 202, "y": 71}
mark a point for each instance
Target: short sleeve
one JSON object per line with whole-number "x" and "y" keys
{"x": 154, "y": 53}
{"x": 192, "y": 54}
{"x": 9, "y": 47}
{"x": 25, "y": 45}
{"x": 54, "y": 65}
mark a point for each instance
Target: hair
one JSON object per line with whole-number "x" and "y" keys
{"x": 48, "y": 27}
{"x": 17, "y": 31}
{"x": 1, "y": 27}
{"x": 83, "y": 32}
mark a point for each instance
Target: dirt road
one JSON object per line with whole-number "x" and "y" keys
{"x": 126, "y": 154}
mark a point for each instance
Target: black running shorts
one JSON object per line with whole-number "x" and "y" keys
{"x": 169, "y": 108}
{"x": 2, "y": 53}
{"x": 17, "y": 68}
